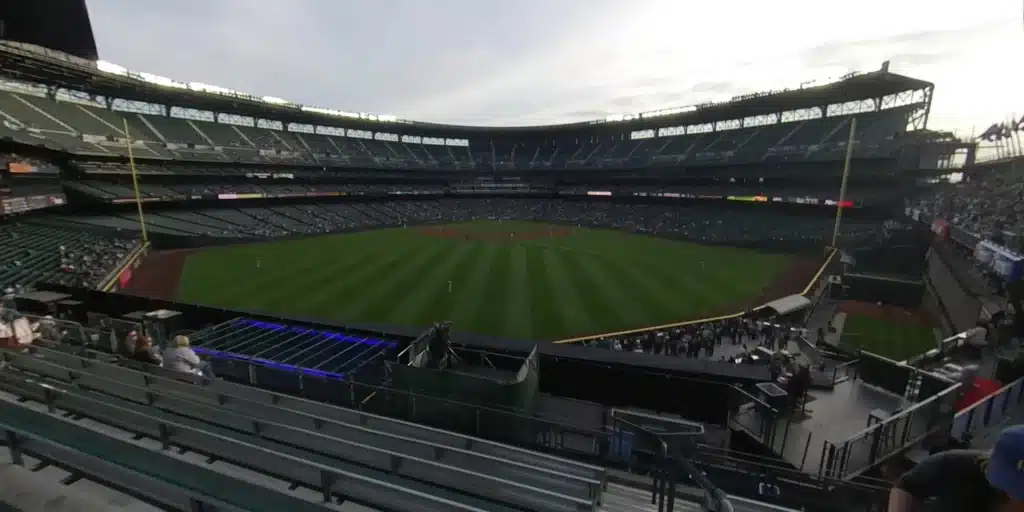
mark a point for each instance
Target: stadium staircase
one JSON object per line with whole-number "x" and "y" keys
{"x": 178, "y": 440}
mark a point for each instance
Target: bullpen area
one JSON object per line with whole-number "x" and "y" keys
{"x": 888, "y": 331}
{"x": 510, "y": 279}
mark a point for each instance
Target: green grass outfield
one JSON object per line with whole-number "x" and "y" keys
{"x": 585, "y": 282}
{"x": 886, "y": 338}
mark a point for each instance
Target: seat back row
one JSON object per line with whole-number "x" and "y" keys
{"x": 176, "y": 484}
{"x": 243, "y": 396}
{"x": 466, "y": 471}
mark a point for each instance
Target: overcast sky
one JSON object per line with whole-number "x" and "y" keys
{"x": 543, "y": 61}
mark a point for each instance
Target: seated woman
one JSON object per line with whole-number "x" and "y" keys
{"x": 129, "y": 344}
{"x": 181, "y": 358}
{"x": 146, "y": 353}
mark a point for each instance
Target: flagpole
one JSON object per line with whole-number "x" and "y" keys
{"x": 842, "y": 186}
{"x": 135, "y": 180}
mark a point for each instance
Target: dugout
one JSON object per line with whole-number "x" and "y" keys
{"x": 889, "y": 290}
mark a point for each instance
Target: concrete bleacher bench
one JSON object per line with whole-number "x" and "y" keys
{"x": 164, "y": 407}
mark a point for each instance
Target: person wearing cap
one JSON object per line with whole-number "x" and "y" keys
{"x": 967, "y": 480}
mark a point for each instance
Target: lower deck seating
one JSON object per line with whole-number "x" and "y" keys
{"x": 695, "y": 223}
{"x": 30, "y": 253}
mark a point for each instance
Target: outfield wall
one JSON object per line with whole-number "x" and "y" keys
{"x": 162, "y": 241}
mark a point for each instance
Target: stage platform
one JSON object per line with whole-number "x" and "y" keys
{"x": 830, "y": 417}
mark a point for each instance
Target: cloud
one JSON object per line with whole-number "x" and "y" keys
{"x": 532, "y": 61}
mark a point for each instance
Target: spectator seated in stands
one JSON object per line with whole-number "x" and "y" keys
{"x": 181, "y": 358}
{"x": 6, "y": 334}
{"x": 47, "y": 328}
{"x": 987, "y": 203}
{"x": 146, "y": 352}
{"x": 15, "y": 329}
{"x": 128, "y": 345}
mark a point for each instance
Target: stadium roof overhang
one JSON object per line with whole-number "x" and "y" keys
{"x": 61, "y": 70}
{"x": 788, "y": 304}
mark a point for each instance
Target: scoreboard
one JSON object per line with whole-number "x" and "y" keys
{"x": 29, "y": 186}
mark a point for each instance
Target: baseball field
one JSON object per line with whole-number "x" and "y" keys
{"x": 509, "y": 279}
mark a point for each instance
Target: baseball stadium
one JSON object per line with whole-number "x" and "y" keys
{"x": 217, "y": 300}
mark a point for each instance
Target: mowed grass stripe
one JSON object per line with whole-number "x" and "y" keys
{"x": 422, "y": 298}
{"x": 601, "y": 307}
{"x": 518, "y": 310}
{"x": 367, "y": 293}
{"x": 546, "y": 317}
{"x": 575, "y": 317}
{"x": 590, "y": 281}
{"x": 615, "y": 299}
{"x": 651, "y": 293}
{"x": 644, "y": 297}
{"x": 491, "y": 316}
{"x": 446, "y": 302}
{"x": 468, "y": 289}
{"x": 231, "y": 274}
{"x": 329, "y": 291}
{"x": 309, "y": 291}
{"x": 302, "y": 283}
{"x": 688, "y": 283}
{"x": 674, "y": 266}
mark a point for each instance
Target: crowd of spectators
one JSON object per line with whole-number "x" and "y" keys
{"x": 737, "y": 340}
{"x": 30, "y": 253}
{"x": 737, "y": 226}
{"x": 18, "y": 330}
{"x": 177, "y": 356}
{"x": 725, "y": 339}
{"x": 988, "y": 203}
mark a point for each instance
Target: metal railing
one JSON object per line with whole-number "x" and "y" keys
{"x": 880, "y": 441}
{"x": 844, "y": 371}
{"x": 669, "y": 462}
{"x": 993, "y": 412}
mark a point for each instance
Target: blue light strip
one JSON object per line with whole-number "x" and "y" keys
{"x": 334, "y": 336}
{"x": 302, "y": 330}
{"x": 269, "y": 364}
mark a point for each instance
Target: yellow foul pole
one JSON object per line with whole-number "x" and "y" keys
{"x": 135, "y": 180}
{"x": 842, "y": 187}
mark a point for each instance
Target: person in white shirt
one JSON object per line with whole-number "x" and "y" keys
{"x": 181, "y": 357}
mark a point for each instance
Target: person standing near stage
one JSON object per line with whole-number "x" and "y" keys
{"x": 967, "y": 480}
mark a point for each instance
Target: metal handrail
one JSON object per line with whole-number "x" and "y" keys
{"x": 836, "y": 369}
{"x": 661, "y": 486}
